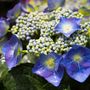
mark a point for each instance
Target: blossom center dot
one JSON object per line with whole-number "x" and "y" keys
{"x": 67, "y": 28}
{"x": 50, "y": 63}
{"x": 77, "y": 57}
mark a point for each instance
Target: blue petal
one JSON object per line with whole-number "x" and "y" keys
{"x": 58, "y": 28}
{"x": 73, "y": 24}
{"x": 76, "y": 20}
{"x": 39, "y": 68}
{"x": 80, "y": 70}
{"x": 10, "y": 50}
{"x": 77, "y": 72}
{"x": 4, "y": 26}
{"x": 44, "y": 72}
{"x": 63, "y": 19}
{"x": 57, "y": 58}
{"x": 54, "y": 75}
{"x": 53, "y": 4}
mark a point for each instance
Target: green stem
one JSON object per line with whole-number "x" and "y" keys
{"x": 24, "y": 51}
{"x": 8, "y": 31}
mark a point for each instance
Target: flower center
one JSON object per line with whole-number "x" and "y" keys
{"x": 77, "y": 58}
{"x": 50, "y": 63}
{"x": 67, "y": 28}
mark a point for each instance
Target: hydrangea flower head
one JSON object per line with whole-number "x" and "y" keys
{"x": 48, "y": 66}
{"x": 67, "y": 26}
{"x": 77, "y": 63}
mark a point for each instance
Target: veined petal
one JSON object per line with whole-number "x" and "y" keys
{"x": 11, "y": 50}
{"x": 56, "y": 77}
{"x": 78, "y": 73}
{"x": 68, "y": 26}
{"x": 77, "y": 63}
{"x": 48, "y": 67}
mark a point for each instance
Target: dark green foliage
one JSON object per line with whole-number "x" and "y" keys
{"x": 22, "y": 78}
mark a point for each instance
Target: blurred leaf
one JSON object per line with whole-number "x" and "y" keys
{"x": 29, "y": 58}
{"x": 3, "y": 70}
{"x": 84, "y": 11}
{"x": 21, "y": 78}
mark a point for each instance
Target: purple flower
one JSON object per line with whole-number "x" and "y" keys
{"x": 11, "y": 50}
{"x": 53, "y": 4}
{"x": 77, "y": 63}
{"x": 4, "y": 26}
{"x": 48, "y": 66}
{"x": 67, "y": 26}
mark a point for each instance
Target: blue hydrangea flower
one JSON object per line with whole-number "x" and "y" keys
{"x": 77, "y": 63}
{"x": 53, "y": 4}
{"x": 48, "y": 66}
{"x": 4, "y": 26}
{"x": 67, "y": 26}
{"x": 11, "y": 50}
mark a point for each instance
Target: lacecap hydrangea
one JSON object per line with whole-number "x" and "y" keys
{"x": 38, "y": 29}
{"x": 59, "y": 37}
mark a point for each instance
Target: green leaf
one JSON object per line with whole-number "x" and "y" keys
{"x": 85, "y": 11}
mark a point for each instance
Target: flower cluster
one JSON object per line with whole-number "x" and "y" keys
{"x": 76, "y": 63}
{"x": 38, "y": 29}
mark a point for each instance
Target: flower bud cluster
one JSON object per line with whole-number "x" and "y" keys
{"x": 38, "y": 29}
